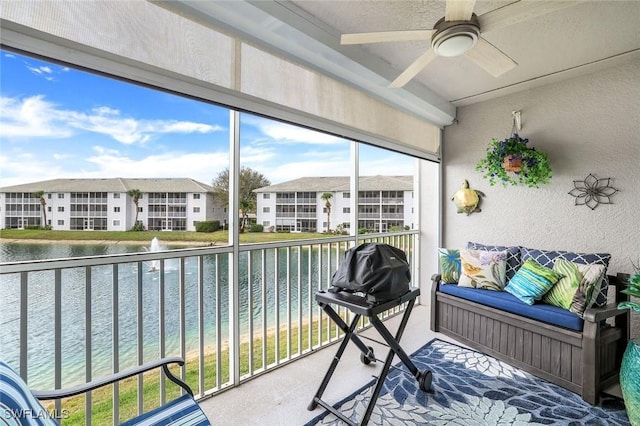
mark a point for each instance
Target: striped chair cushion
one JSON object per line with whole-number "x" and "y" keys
{"x": 181, "y": 411}
{"x": 18, "y": 406}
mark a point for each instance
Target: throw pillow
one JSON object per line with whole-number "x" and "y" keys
{"x": 547, "y": 257}
{"x": 575, "y": 291}
{"x": 449, "y": 265}
{"x": 513, "y": 255}
{"x": 483, "y": 269}
{"x": 532, "y": 281}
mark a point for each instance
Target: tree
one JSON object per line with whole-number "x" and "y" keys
{"x": 249, "y": 180}
{"x": 246, "y": 207}
{"x": 135, "y": 194}
{"x": 326, "y": 197}
{"x": 43, "y": 203}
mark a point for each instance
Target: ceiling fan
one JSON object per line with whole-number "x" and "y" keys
{"x": 458, "y": 33}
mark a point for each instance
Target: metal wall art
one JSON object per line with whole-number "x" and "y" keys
{"x": 592, "y": 191}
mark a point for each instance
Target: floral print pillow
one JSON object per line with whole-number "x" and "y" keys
{"x": 483, "y": 269}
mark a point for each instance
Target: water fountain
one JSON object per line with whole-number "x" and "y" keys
{"x": 154, "y": 247}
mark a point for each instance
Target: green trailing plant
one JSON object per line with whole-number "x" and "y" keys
{"x": 633, "y": 289}
{"x": 535, "y": 169}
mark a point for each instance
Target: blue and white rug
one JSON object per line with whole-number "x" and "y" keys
{"x": 470, "y": 388}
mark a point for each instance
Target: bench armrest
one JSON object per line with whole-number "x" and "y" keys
{"x": 598, "y": 314}
{"x": 95, "y": 384}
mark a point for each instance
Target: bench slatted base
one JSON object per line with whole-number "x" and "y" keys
{"x": 583, "y": 363}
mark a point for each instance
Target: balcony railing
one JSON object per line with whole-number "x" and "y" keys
{"x": 68, "y": 321}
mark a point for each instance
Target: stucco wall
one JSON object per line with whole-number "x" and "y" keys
{"x": 590, "y": 124}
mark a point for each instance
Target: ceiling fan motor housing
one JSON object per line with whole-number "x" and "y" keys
{"x": 453, "y": 38}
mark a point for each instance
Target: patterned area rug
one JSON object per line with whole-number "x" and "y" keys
{"x": 470, "y": 388}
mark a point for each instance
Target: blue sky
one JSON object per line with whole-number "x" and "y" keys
{"x": 58, "y": 122}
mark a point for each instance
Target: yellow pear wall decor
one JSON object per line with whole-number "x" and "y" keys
{"x": 467, "y": 199}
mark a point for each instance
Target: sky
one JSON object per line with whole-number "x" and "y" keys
{"x": 59, "y": 122}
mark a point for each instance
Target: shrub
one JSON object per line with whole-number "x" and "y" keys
{"x": 138, "y": 227}
{"x": 208, "y": 226}
{"x": 256, "y": 228}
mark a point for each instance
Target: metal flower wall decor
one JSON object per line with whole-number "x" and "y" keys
{"x": 592, "y": 191}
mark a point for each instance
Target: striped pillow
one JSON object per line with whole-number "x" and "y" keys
{"x": 532, "y": 281}
{"x": 578, "y": 289}
{"x": 17, "y": 404}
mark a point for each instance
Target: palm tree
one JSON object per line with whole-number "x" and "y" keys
{"x": 246, "y": 206}
{"x": 135, "y": 194}
{"x": 43, "y": 203}
{"x": 326, "y": 197}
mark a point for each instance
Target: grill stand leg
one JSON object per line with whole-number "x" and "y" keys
{"x": 395, "y": 349}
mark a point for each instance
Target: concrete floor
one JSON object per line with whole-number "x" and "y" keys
{"x": 281, "y": 397}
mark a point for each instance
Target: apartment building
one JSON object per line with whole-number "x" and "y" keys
{"x": 297, "y": 205}
{"x": 104, "y": 204}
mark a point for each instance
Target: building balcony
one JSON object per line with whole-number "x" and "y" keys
{"x": 111, "y": 312}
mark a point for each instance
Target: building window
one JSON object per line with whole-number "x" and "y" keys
{"x": 60, "y": 222}
{"x": 116, "y": 195}
{"x": 139, "y": 209}
{"x": 196, "y": 209}
{"x": 346, "y": 210}
{"x": 60, "y": 196}
{"x": 346, "y": 195}
{"x": 49, "y": 196}
{"x": 116, "y": 209}
{"x": 116, "y": 223}
{"x": 196, "y": 196}
{"x": 60, "y": 208}
{"x": 266, "y": 223}
{"x": 48, "y": 208}
{"x": 266, "y": 196}
{"x": 266, "y": 209}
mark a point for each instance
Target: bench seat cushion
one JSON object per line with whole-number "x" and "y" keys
{"x": 181, "y": 411}
{"x": 509, "y": 303}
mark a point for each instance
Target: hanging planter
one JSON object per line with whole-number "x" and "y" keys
{"x": 512, "y": 162}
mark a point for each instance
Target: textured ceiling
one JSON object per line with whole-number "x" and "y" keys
{"x": 583, "y": 37}
{"x": 578, "y": 35}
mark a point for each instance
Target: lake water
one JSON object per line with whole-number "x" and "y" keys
{"x": 41, "y": 306}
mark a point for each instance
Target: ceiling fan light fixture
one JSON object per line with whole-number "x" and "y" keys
{"x": 454, "y": 38}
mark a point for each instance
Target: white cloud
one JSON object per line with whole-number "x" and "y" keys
{"x": 285, "y": 133}
{"x": 203, "y": 167}
{"x": 42, "y": 70}
{"x": 35, "y": 117}
{"x": 30, "y": 117}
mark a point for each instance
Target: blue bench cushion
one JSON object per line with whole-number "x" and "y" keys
{"x": 18, "y": 406}
{"x": 181, "y": 411}
{"x": 509, "y": 303}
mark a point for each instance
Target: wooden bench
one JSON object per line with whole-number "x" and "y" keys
{"x": 583, "y": 362}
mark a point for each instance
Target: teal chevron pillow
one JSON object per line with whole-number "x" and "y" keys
{"x": 576, "y": 290}
{"x": 449, "y": 265}
{"x": 532, "y": 281}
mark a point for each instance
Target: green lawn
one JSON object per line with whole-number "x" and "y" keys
{"x": 218, "y": 237}
{"x": 102, "y": 402}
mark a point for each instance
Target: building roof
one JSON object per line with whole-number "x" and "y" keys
{"x": 112, "y": 185}
{"x": 341, "y": 184}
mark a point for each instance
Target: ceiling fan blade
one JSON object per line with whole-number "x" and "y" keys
{"x": 519, "y": 12}
{"x": 490, "y": 58}
{"x": 458, "y": 10}
{"x": 413, "y": 69}
{"x": 386, "y": 36}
